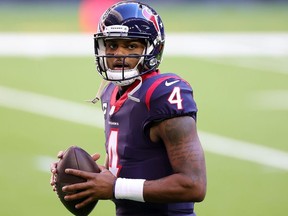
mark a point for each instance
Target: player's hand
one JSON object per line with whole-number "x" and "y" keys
{"x": 95, "y": 156}
{"x": 98, "y": 186}
{"x": 53, "y": 169}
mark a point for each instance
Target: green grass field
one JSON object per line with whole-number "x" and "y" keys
{"x": 225, "y": 91}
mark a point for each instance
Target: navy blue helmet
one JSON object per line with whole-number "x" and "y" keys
{"x": 130, "y": 20}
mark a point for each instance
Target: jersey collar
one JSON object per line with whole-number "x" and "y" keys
{"x": 117, "y": 104}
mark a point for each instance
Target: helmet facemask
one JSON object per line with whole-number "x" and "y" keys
{"x": 124, "y": 74}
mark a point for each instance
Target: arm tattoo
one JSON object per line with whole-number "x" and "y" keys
{"x": 183, "y": 146}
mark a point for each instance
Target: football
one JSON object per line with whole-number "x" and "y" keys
{"x": 74, "y": 158}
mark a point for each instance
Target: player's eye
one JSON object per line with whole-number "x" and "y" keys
{"x": 132, "y": 46}
{"x": 111, "y": 46}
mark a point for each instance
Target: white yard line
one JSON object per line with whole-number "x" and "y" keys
{"x": 43, "y": 162}
{"x": 92, "y": 116}
{"x": 177, "y": 44}
{"x": 270, "y": 100}
{"x": 271, "y": 64}
{"x": 227, "y": 44}
{"x": 244, "y": 151}
{"x": 51, "y": 107}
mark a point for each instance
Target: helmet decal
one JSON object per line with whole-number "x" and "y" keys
{"x": 147, "y": 13}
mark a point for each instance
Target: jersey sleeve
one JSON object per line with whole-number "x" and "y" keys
{"x": 170, "y": 97}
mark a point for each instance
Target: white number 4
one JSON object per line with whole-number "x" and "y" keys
{"x": 114, "y": 166}
{"x": 175, "y": 98}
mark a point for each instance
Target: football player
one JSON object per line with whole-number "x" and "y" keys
{"x": 154, "y": 160}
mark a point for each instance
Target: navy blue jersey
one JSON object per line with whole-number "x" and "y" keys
{"x": 131, "y": 152}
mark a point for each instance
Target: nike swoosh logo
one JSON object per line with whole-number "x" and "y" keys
{"x": 171, "y": 83}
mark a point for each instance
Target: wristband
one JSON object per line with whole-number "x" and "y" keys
{"x": 131, "y": 189}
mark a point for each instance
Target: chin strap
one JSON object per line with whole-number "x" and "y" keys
{"x": 135, "y": 89}
{"x": 99, "y": 92}
{"x": 105, "y": 82}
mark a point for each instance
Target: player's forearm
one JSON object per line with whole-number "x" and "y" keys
{"x": 175, "y": 188}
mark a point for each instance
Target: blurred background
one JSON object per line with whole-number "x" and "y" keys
{"x": 234, "y": 54}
